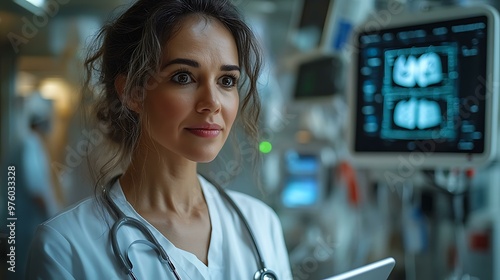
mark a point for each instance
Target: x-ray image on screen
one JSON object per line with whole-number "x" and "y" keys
{"x": 418, "y": 118}
{"x": 420, "y": 92}
{"x": 417, "y": 114}
{"x": 409, "y": 71}
{"x": 420, "y": 68}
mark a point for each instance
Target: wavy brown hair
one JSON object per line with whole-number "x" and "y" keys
{"x": 131, "y": 46}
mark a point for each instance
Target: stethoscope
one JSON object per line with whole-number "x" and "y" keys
{"x": 124, "y": 261}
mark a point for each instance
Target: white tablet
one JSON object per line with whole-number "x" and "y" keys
{"x": 379, "y": 270}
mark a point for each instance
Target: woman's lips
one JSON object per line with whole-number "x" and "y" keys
{"x": 207, "y": 133}
{"x": 206, "y": 130}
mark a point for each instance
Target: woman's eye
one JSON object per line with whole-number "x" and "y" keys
{"x": 228, "y": 81}
{"x": 182, "y": 78}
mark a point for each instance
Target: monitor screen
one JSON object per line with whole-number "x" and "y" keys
{"x": 302, "y": 183}
{"x": 318, "y": 77}
{"x": 425, "y": 87}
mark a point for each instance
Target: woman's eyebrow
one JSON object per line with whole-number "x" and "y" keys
{"x": 185, "y": 61}
{"x": 195, "y": 64}
{"x": 230, "y": 68}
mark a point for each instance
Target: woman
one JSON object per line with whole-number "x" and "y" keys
{"x": 170, "y": 75}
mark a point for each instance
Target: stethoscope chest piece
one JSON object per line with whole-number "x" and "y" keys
{"x": 265, "y": 274}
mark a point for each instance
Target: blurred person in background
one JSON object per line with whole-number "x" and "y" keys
{"x": 35, "y": 156}
{"x": 35, "y": 199}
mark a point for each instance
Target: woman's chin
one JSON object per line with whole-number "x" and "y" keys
{"x": 204, "y": 157}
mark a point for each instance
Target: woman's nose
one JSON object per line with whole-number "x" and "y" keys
{"x": 209, "y": 99}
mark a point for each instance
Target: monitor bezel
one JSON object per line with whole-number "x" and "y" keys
{"x": 418, "y": 160}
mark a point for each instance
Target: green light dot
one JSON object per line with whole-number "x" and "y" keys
{"x": 265, "y": 147}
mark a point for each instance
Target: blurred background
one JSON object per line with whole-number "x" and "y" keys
{"x": 340, "y": 207}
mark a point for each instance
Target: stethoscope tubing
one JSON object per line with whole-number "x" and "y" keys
{"x": 122, "y": 219}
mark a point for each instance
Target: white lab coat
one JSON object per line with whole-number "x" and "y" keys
{"x": 76, "y": 243}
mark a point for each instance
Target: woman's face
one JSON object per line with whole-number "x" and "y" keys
{"x": 190, "y": 110}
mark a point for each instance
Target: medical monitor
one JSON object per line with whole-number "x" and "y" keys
{"x": 424, "y": 89}
{"x": 310, "y": 23}
{"x": 303, "y": 185}
{"x": 318, "y": 78}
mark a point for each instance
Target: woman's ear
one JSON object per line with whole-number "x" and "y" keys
{"x": 132, "y": 103}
